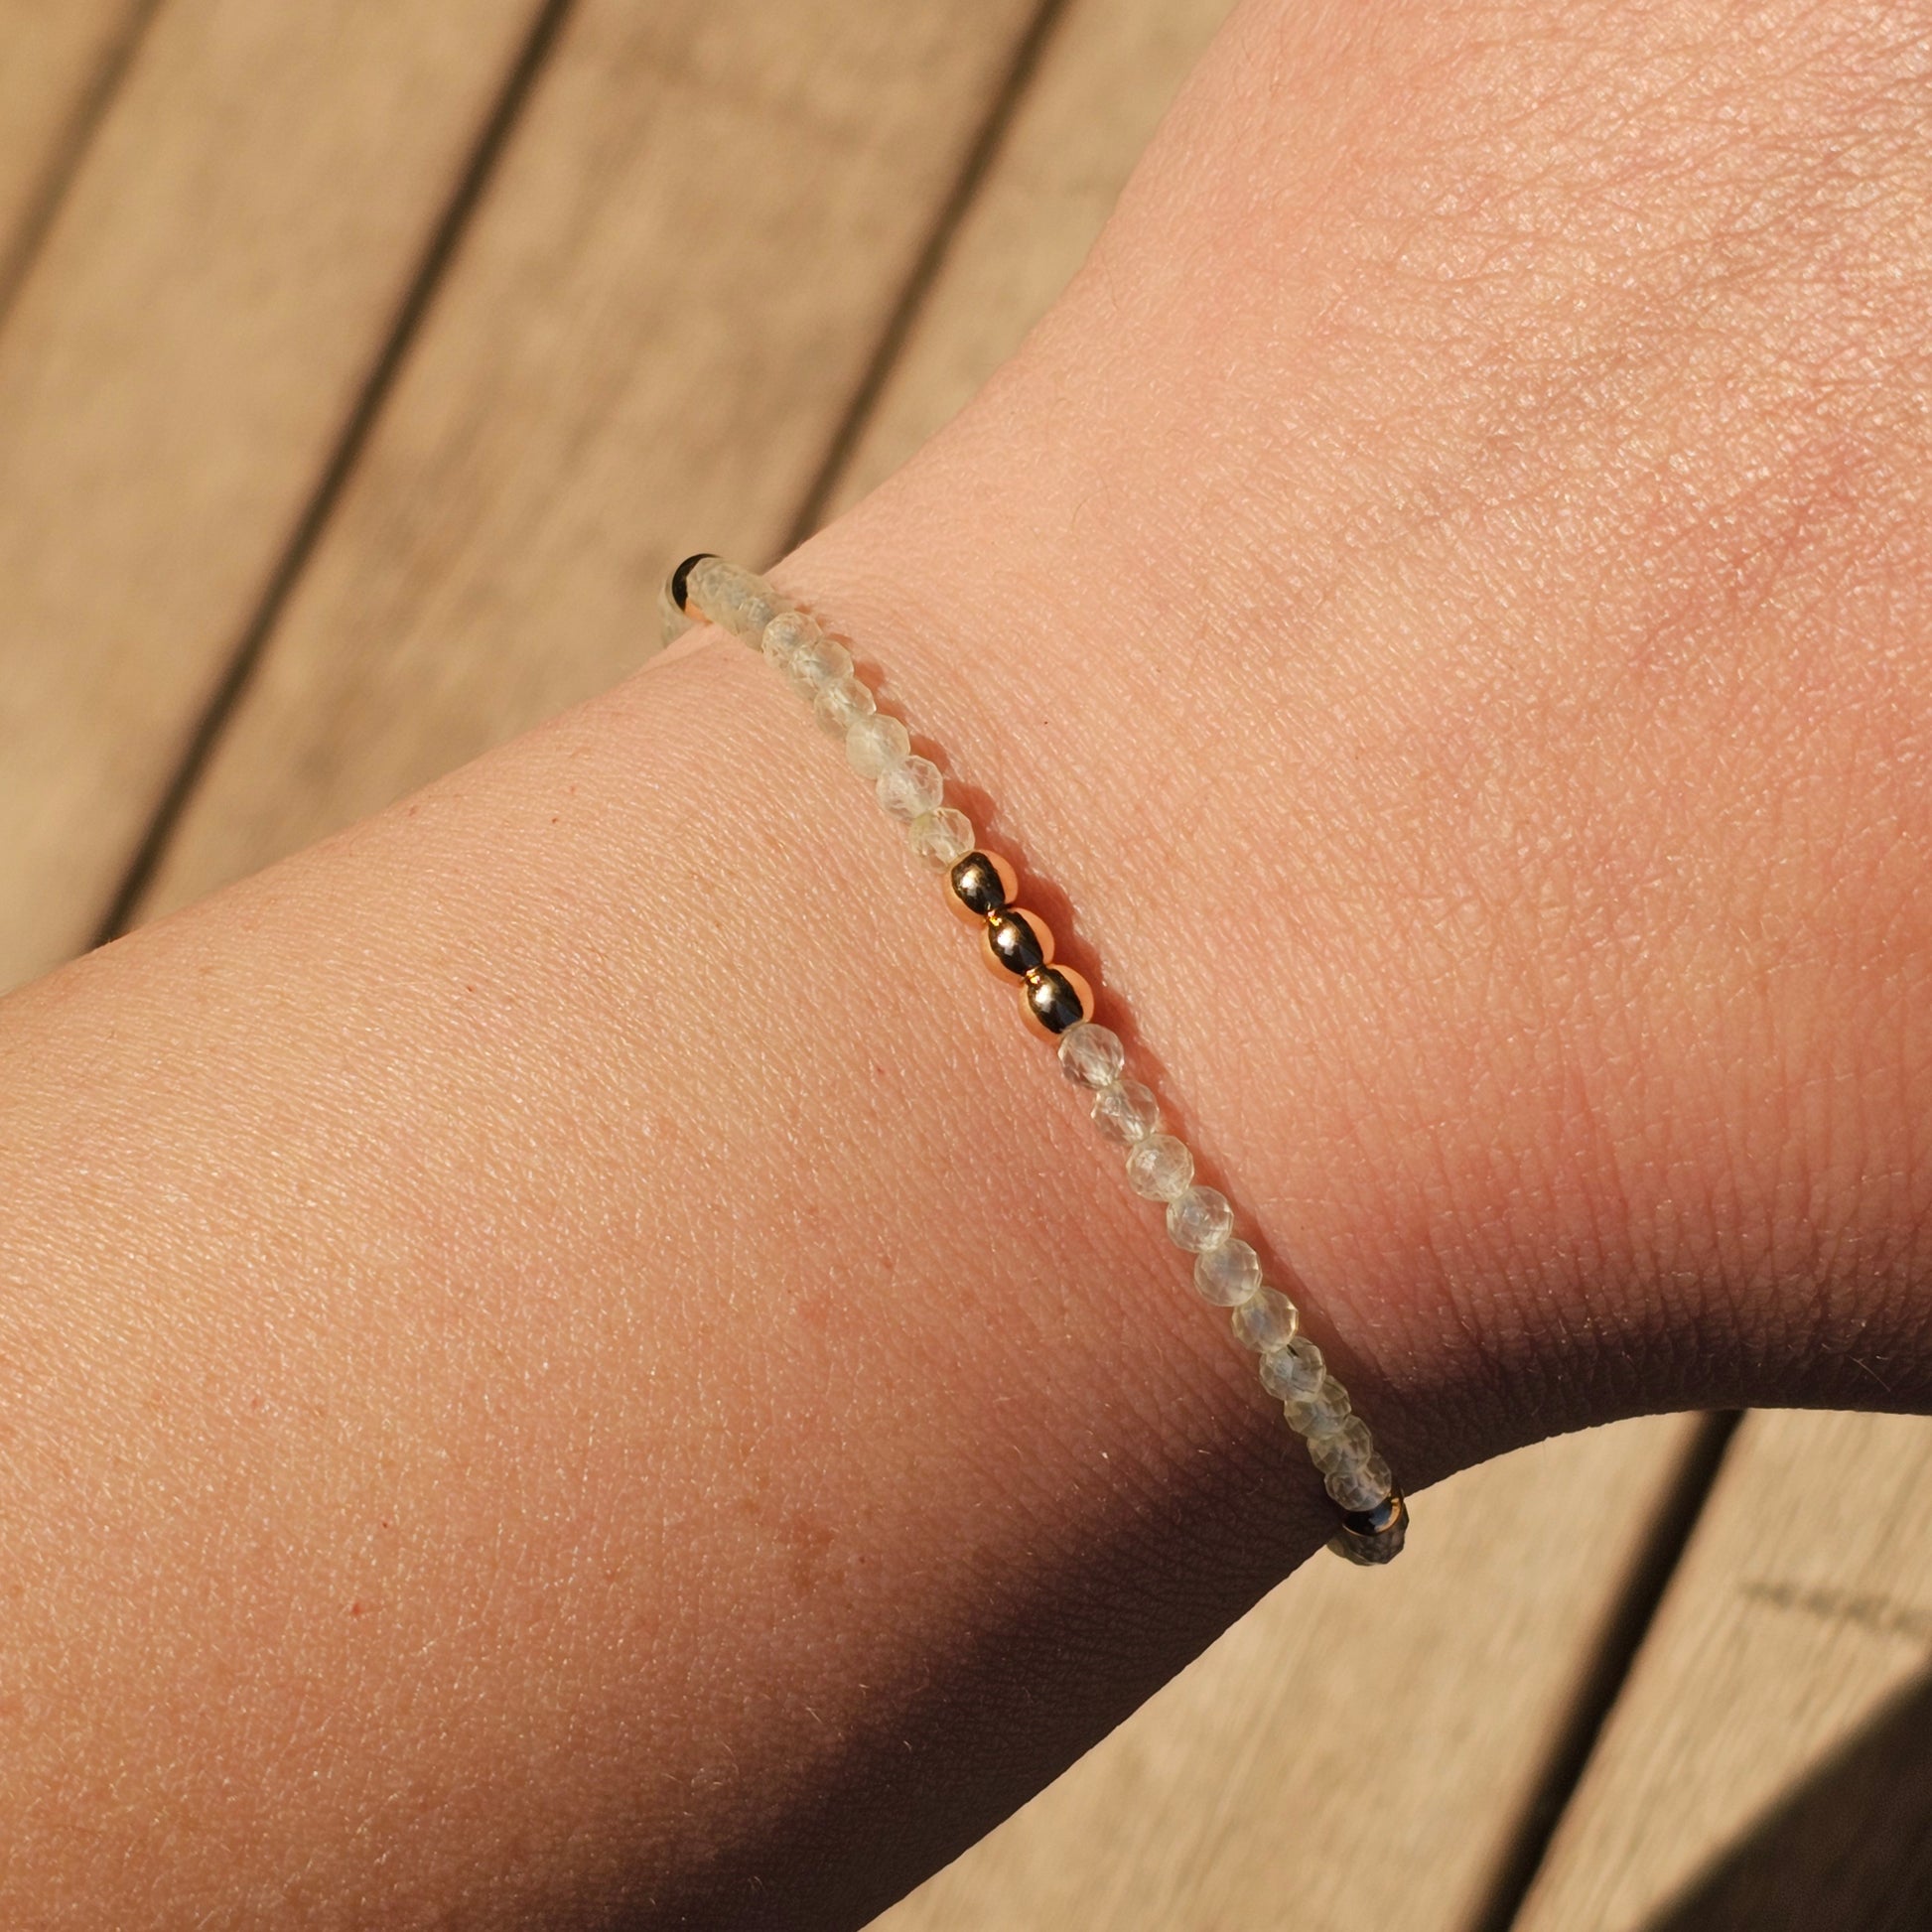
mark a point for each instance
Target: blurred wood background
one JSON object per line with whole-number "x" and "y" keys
{"x": 362, "y": 364}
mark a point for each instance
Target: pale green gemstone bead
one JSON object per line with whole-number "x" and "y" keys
{"x": 1091, "y": 1055}
{"x": 1294, "y": 1372}
{"x": 1160, "y": 1167}
{"x": 1319, "y": 1414}
{"x": 910, "y": 789}
{"x": 1361, "y": 1486}
{"x": 784, "y": 636}
{"x": 1199, "y": 1219}
{"x": 1342, "y": 1447}
{"x": 1226, "y": 1276}
{"x": 941, "y": 838}
{"x": 1265, "y": 1323}
{"x": 1126, "y": 1112}
{"x": 840, "y": 703}
{"x": 817, "y": 662}
{"x": 739, "y": 600}
{"x": 873, "y": 742}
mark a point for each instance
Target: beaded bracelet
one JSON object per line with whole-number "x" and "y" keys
{"x": 1058, "y": 1004}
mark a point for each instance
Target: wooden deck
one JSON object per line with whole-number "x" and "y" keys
{"x": 363, "y": 362}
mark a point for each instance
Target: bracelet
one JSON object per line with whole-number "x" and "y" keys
{"x": 1058, "y": 1004}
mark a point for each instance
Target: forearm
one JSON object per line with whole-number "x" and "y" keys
{"x": 567, "y": 1319}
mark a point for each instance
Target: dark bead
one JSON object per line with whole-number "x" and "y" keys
{"x": 681, "y": 580}
{"x": 977, "y": 885}
{"x": 1015, "y": 943}
{"x": 1053, "y": 1000}
{"x": 1372, "y": 1522}
{"x": 1374, "y": 1535}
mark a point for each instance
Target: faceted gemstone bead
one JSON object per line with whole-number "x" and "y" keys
{"x": 840, "y": 703}
{"x": 785, "y": 636}
{"x": 908, "y": 788}
{"x": 981, "y": 885}
{"x": 1056, "y": 998}
{"x": 1294, "y": 1372}
{"x": 1226, "y": 1276}
{"x": 816, "y": 663}
{"x": 739, "y": 600}
{"x": 1126, "y": 1112}
{"x": 1199, "y": 1219}
{"x": 1341, "y": 1448}
{"x": 1265, "y": 1323}
{"x": 941, "y": 838}
{"x": 1361, "y": 1486}
{"x": 876, "y": 743}
{"x": 1321, "y": 1413}
{"x": 1018, "y": 941}
{"x": 1091, "y": 1055}
{"x": 1160, "y": 1167}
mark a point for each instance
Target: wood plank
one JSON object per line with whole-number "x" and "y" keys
{"x": 177, "y": 368}
{"x": 55, "y": 56}
{"x": 1357, "y": 1754}
{"x": 1769, "y": 1764}
{"x": 699, "y": 235}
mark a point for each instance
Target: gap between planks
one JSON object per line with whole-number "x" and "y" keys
{"x": 389, "y": 359}
{"x": 1603, "y": 1683}
{"x": 824, "y": 487}
{"x": 37, "y": 198}
{"x": 204, "y": 307}
{"x": 416, "y": 303}
{"x": 595, "y": 387}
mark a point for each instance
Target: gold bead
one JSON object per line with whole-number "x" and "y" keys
{"x": 1005, "y": 950}
{"x": 1043, "y": 1002}
{"x": 1008, "y": 887}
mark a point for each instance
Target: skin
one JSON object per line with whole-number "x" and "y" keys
{"x": 564, "y": 1359}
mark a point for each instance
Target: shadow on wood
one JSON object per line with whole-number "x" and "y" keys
{"x": 1850, "y": 1847}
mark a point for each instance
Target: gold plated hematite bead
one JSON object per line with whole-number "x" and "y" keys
{"x": 980, "y": 885}
{"x": 1370, "y": 1536}
{"x": 1056, "y": 998}
{"x": 1017, "y": 941}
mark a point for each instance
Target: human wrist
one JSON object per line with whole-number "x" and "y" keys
{"x": 1581, "y": 894}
